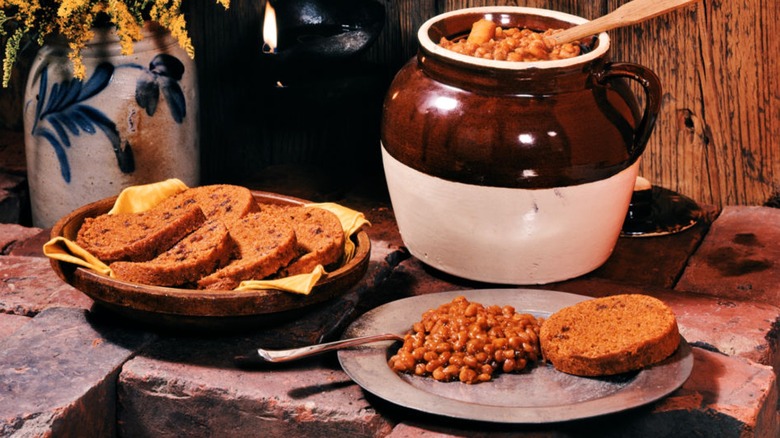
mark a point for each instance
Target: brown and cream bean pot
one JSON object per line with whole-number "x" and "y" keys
{"x": 513, "y": 172}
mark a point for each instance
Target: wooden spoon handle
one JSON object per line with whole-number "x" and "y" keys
{"x": 632, "y": 12}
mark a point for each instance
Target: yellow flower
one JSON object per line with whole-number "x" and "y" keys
{"x": 127, "y": 27}
{"x": 169, "y": 17}
{"x": 69, "y": 7}
{"x": 11, "y": 52}
{"x": 73, "y": 19}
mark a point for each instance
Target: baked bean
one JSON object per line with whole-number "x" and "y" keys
{"x": 452, "y": 370}
{"x": 456, "y": 359}
{"x": 468, "y": 342}
{"x": 442, "y": 347}
{"x": 512, "y": 44}
{"x": 467, "y": 374}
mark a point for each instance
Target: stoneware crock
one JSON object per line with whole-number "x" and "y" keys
{"x": 513, "y": 172}
{"x": 132, "y": 120}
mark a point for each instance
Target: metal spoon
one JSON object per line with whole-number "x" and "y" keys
{"x": 633, "y": 12}
{"x": 265, "y": 355}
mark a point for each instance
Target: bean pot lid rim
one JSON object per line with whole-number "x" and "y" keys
{"x": 434, "y": 48}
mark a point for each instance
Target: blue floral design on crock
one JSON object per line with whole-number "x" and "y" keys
{"x": 67, "y": 114}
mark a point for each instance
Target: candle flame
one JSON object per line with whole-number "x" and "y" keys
{"x": 269, "y": 28}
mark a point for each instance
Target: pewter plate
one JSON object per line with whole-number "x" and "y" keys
{"x": 539, "y": 394}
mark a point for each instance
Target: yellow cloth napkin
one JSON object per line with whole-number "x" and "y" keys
{"x": 62, "y": 249}
{"x": 137, "y": 199}
{"x": 300, "y": 284}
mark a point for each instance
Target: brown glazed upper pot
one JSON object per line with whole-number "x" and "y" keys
{"x": 516, "y": 124}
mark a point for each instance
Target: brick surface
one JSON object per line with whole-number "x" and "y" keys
{"x": 724, "y": 397}
{"x": 11, "y": 323}
{"x": 31, "y": 246}
{"x": 739, "y": 258}
{"x": 191, "y": 387}
{"x": 13, "y": 235}
{"x": 28, "y": 285}
{"x": 59, "y": 374}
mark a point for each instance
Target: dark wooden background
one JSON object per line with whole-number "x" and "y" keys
{"x": 717, "y": 139}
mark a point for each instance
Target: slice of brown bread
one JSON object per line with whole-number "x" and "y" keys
{"x": 223, "y": 201}
{"x": 319, "y": 234}
{"x": 609, "y": 335}
{"x": 138, "y": 237}
{"x": 265, "y": 243}
{"x": 202, "y": 252}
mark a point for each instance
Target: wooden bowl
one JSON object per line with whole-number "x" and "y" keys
{"x": 188, "y": 309}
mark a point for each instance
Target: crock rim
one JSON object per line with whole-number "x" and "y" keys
{"x": 434, "y": 48}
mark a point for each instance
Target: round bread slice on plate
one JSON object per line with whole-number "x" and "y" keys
{"x": 610, "y": 335}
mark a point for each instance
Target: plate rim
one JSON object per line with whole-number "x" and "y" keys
{"x": 432, "y": 403}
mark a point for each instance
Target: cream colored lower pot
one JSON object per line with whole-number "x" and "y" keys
{"x": 508, "y": 235}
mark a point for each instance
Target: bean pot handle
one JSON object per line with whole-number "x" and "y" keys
{"x": 652, "y": 86}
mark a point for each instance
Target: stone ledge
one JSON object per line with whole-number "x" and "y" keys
{"x": 13, "y": 235}
{"x": 28, "y": 285}
{"x": 190, "y": 387}
{"x": 196, "y": 381}
{"x": 185, "y": 376}
{"x": 60, "y": 370}
{"x": 30, "y": 246}
{"x": 11, "y": 323}
{"x": 737, "y": 259}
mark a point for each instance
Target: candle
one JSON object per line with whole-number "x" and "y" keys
{"x": 303, "y": 40}
{"x": 270, "y": 44}
{"x": 269, "y": 29}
